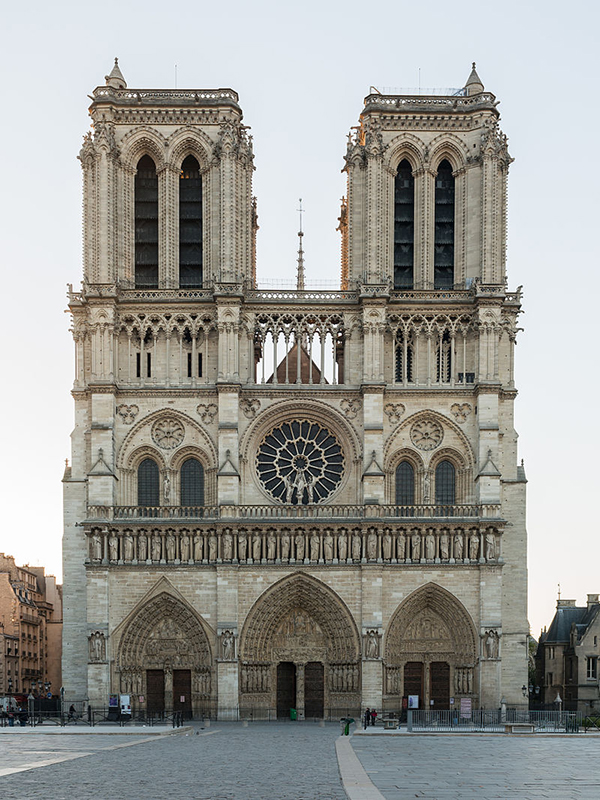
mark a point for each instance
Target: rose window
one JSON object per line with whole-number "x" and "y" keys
{"x": 426, "y": 434}
{"x": 300, "y": 462}
{"x": 168, "y": 433}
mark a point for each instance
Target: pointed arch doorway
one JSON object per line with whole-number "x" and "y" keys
{"x": 299, "y": 650}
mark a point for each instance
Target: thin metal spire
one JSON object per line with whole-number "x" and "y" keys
{"x": 300, "y": 278}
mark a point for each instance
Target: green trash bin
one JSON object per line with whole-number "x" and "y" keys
{"x": 293, "y": 713}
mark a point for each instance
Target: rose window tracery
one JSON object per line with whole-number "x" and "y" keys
{"x": 168, "y": 433}
{"x": 300, "y": 462}
{"x": 426, "y": 434}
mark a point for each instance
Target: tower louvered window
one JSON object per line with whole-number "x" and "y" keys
{"x": 404, "y": 226}
{"x": 405, "y": 484}
{"x": 148, "y": 483}
{"x": 192, "y": 483}
{"x": 146, "y": 224}
{"x": 443, "y": 260}
{"x": 445, "y": 484}
{"x": 190, "y": 224}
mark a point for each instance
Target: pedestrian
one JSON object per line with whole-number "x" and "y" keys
{"x": 72, "y": 712}
{"x": 373, "y": 717}
{"x": 367, "y": 718}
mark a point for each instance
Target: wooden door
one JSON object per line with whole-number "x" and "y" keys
{"x": 155, "y": 690}
{"x": 314, "y": 689}
{"x": 439, "y": 691}
{"x": 182, "y": 691}
{"x": 286, "y": 688}
{"x": 413, "y": 680}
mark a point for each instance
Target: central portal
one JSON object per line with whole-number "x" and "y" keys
{"x": 286, "y": 688}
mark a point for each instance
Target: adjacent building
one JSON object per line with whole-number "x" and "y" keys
{"x": 567, "y": 657}
{"x": 30, "y": 629}
{"x": 294, "y": 499}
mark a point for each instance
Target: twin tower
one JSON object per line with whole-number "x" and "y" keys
{"x": 294, "y": 499}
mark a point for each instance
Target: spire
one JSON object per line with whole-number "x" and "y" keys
{"x": 474, "y": 84}
{"x": 116, "y": 79}
{"x": 300, "y": 278}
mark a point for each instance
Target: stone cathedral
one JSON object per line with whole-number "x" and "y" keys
{"x": 293, "y": 498}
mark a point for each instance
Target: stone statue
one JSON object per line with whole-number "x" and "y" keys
{"x": 342, "y": 546}
{"x": 212, "y": 547}
{"x": 314, "y": 546}
{"x": 458, "y": 545}
{"x": 128, "y": 546}
{"x": 227, "y": 542}
{"x": 444, "y": 546}
{"x": 142, "y": 543}
{"x": 474, "y": 546}
{"x": 387, "y": 545}
{"x": 184, "y": 544}
{"x": 113, "y": 547}
{"x": 171, "y": 546}
{"x": 167, "y": 490}
{"x": 372, "y": 645}
{"x": 228, "y": 645}
{"x": 256, "y": 546}
{"x": 271, "y": 545}
{"x": 490, "y": 546}
{"x": 299, "y": 540}
{"x": 97, "y": 647}
{"x": 96, "y": 547}
{"x": 491, "y": 642}
{"x": 156, "y": 547}
{"x": 372, "y": 546}
{"x": 328, "y": 546}
{"x": 198, "y": 547}
{"x": 430, "y": 546}
{"x": 426, "y": 485}
{"x": 285, "y": 546}
{"x": 356, "y": 546}
{"x": 242, "y": 545}
{"x": 416, "y": 546}
{"x": 401, "y": 546}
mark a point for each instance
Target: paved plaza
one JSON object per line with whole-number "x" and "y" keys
{"x": 285, "y": 761}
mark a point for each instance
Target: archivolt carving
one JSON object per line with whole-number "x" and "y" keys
{"x": 446, "y": 145}
{"x": 142, "y": 141}
{"x": 312, "y": 610}
{"x": 408, "y": 146}
{"x": 189, "y": 141}
{"x": 431, "y": 622}
{"x": 164, "y": 632}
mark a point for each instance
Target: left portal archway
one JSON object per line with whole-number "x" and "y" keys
{"x": 299, "y": 649}
{"x": 164, "y": 657}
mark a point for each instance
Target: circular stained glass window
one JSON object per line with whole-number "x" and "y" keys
{"x": 300, "y": 462}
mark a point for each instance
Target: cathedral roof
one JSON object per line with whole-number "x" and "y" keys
{"x": 305, "y": 367}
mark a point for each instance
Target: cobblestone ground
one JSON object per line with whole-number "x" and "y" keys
{"x": 270, "y": 761}
{"x": 482, "y": 767}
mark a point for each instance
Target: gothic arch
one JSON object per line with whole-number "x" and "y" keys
{"x": 405, "y": 146}
{"x": 456, "y": 440}
{"x": 190, "y": 143}
{"x": 431, "y": 623}
{"x": 144, "y": 141}
{"x": 306, "y": 594}
{"x": 164, "y": 632}
{"x": 450, "y": 147}
{"x": 416, "y": 462}
{"x": 140, "y": 435}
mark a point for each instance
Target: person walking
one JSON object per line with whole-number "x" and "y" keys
{"x": 367, "y": 720}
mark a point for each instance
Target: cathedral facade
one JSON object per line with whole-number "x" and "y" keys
{"x": 291, "y": 498}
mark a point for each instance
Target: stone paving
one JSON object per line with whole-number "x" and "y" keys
{"x": 264, "y": 761}
{"x": 455, "y": 767}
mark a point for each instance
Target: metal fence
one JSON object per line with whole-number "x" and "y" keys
{"x": 480, "y": 720}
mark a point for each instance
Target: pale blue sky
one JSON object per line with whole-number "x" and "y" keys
{"x": 302, "y": 71}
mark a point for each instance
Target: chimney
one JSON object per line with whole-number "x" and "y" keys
{"x": 566, "y": 603}
{"x": 592, "y": 600}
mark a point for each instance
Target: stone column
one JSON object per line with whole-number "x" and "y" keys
{"x": 300, "y": 690}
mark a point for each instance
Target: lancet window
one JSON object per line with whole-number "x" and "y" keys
{"x": 443, "y": 260}
{"x": 403, "y": 369}
{"x": 190, "y": 224}
{"x": 146, "y": 224}
{"x": 404, "y": 226}
{"x": 192, "y": 483}
{"x": 445, "y": 484}
{"x": 444, "y": 358}
{"x": 148, "y": 483}
{"x": 405, "y": 484}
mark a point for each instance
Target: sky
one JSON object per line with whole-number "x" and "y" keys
{"x": 302, "y": 71}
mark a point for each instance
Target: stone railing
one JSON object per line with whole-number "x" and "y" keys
{"x": 159, "y": 295}
{"x": 153, "y": 95}
{"x": 292, "y": 512}
{"x": 429, "y": 103}
{"x": 411, "y": 543}
{"x": 306, "y": 296}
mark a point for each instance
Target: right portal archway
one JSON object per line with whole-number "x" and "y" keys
{"x": 430, "y": 651}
